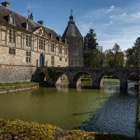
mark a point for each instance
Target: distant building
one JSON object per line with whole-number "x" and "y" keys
{"x": 75, "y": 42}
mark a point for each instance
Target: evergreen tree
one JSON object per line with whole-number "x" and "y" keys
{"x": 90, "y": 49}
{"x": 133, "y": 54}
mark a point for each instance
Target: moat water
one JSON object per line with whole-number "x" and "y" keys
{"x": 106, "y": 110}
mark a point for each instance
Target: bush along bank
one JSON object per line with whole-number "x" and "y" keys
{"x": 20, "y": 130}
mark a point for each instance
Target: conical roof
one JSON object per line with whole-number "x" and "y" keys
{"x": 71, "y": 29}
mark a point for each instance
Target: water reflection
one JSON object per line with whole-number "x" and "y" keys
{"x": 115, "y": 116}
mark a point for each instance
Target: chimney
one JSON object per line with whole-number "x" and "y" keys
{"x": 5, "y": 4}
{"x": 41, "y": 22}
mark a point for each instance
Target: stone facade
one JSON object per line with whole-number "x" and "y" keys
{"x": 25, "y": 45}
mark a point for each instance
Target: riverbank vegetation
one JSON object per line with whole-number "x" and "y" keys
{"x": 17, "y": 86}
{"x": 20, "y": 130}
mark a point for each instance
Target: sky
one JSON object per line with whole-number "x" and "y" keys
{"x": 113, "y": 21}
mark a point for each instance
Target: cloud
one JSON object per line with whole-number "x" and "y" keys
{"x": 31, "y": 5}
{"x": 126, "y": 17}
{"x": 110, "y": 9}
{"x": 113, "y": 25}
{"x": 121, "y": 26}
{"x": 84, "y": 28}
{"x": 125, "y": 37}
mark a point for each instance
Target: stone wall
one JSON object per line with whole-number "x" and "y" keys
{"x": 11, "y": 73}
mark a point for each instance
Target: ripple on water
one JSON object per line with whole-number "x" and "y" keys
{"x": 117, "y": 116}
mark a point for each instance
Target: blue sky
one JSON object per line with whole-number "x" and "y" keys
{"x": 114, "y": 21}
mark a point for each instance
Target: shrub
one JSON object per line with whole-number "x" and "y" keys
{"x": 20, "y": 130}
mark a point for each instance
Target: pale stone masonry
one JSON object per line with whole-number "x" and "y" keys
{"x": 18, "y": 38}
{"x": 26, "y": 44}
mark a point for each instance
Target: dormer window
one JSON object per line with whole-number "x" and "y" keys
{"x": 51, "y": 35}
{"x": 26, "y": 26}
{"x": 11, "y": 20}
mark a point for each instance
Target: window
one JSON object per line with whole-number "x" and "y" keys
{"x": 11, "y": 19}
{"x": 52, "y": 48}
{"x": 66, "y": 60}
{"x": 42, "y": 44}
{"x": 12, "y": 51}
{"x": 28, "y": 57}
{"x": 65, "y": 52}
{"x": 52, "y": 60}
{"x": 12, "y": 36}
{"x": 28, "y": 40}
{"x": 27, "y": 26}
{"x": 60, "y": 50}
{"x": 75, "y": 52}
{"x": 60, "y": 58}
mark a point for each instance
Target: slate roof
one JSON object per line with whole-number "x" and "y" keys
{"x": 71, "y": 29}
{"x": 21, "y": 20}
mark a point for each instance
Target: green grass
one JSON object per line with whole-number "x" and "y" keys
{"x": 16, "y": 84}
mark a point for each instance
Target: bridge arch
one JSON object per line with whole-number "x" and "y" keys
{"x": 55, "y": 79}
{"x": 132, "y": 79}
{"x": 109, "y": 75}
{"x": 42, "y": 76}
{"x": 79, "y": 75}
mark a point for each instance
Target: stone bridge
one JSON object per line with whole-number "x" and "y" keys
{"x": 74, "y": 73}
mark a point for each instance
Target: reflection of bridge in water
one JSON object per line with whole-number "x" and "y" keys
{"x": 52, "y": 74}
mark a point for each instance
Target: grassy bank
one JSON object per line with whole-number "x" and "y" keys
{"x": 20, "y": 130}
{"x": 18, "y": 86}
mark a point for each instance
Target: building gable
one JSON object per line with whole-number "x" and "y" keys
{"x": 40, "y": 31}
